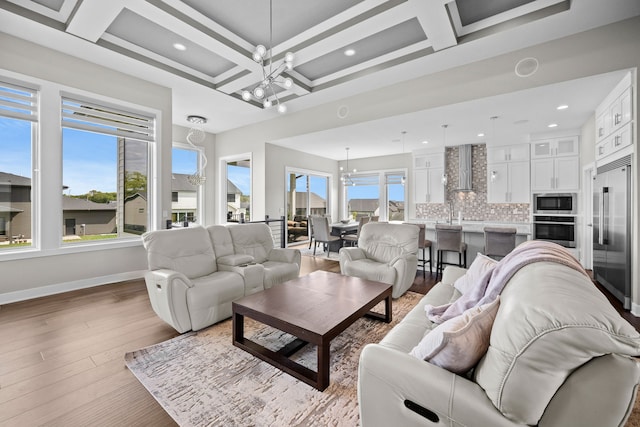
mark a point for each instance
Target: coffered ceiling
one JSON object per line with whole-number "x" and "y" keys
{"x": 202, "y": 49}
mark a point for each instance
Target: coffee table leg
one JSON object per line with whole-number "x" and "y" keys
{"x": 387, "y": 309}
{"x": 323, "y": 365}
{"x": 238, "y": 327}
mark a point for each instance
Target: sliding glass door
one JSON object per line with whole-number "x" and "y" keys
{"x": 307, "y": 194}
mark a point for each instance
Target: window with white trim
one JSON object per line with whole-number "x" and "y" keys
{"x": 381, "y": 194}
{"x": 18, "y": 122}
{"x": 105, "y": 165}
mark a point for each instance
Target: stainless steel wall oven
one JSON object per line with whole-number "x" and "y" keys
{"x": 554, "y": 228}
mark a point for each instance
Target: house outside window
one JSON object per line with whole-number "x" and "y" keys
{"x": 186, "y": 200}
{"x": 105, "y": 154}
{"x": 18, "y": 122}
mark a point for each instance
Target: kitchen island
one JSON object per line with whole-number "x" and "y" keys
{"x": 473, "y": 234}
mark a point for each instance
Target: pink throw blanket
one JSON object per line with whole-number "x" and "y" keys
{"x": 493, "y": 281}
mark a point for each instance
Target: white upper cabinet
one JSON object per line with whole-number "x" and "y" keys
{"x": 559, "y": 174}
{"x": 614, "y": 128}
{"x": 427, "y": 177}
{"x": 508, "y": 182}
{"x": 431, "y": 160}
{"x": 508, "y": 174}
{"x": 555, "y": 147}
{"x": 508, "y": 153}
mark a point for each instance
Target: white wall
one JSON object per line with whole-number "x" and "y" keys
{"x": 277, "y": 160}
{"x": 54, "y": 270}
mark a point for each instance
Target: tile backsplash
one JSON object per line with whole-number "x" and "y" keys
{"x": 473, "y": 204}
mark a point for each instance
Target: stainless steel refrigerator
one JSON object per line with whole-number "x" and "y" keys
{"x": 612, "y": 229}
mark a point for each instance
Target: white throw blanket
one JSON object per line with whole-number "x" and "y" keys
{"x": 493, "y": 281}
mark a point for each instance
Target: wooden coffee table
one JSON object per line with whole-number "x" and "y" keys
{"x": 315, "y": 309}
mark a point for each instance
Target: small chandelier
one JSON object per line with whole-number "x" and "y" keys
{"x": 196, "y": 136}
{"x": 265, "y": 92}
{"x": 346, "y": 176}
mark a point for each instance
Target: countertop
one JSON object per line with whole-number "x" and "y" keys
{"x": 522, "y": 228}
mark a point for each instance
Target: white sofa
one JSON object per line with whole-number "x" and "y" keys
{"x": 196, "y": 273}
{"x": 559, "y": 356}
{"x": 386, "y": 253}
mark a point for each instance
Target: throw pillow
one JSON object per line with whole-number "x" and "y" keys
{"x": 476, "y": 270}
{"x": 459, "y": 343}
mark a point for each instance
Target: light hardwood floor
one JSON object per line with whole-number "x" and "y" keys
{"x": 62, "y": 357}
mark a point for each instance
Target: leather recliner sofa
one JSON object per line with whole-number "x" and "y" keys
{"x": 559, "y": 356}
{"x": 196, "y": 273}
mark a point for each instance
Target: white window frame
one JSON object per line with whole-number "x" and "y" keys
{"x": 382, "y": 191}
{"x": 47, "y": 171}
{"x": 222, "y": 211}
{"x": 199, "y": 189}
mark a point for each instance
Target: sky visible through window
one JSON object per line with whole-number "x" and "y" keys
{"x": 84, "y": 176}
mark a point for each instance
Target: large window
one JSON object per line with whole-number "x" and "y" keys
{"x": 381, "y": 194}
{"x": 185, "y": 197}
{"x": 105, "y": 163}
{"x": 18, "y": 119}
{"x": 238, "y": 190}
{"x": 307, "y": 194}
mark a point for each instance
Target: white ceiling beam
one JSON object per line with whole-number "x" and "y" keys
{"x": 93, "y": 17}
{"x": 434, "y": 19}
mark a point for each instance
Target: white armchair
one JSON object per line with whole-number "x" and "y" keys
{"x": 386, "y": 253}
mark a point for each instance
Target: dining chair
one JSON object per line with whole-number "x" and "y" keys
{"x": 322, "y": 233}
{"x": 352, "y": 239}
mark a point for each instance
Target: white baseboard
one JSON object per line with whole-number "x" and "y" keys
{"x": 59, "y": 288}
{"x": 635, "y": 309}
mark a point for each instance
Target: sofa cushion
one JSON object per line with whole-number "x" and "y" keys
{"x": 221, "y": 240}
{"x": 186, "y": 250}
{"x": 552, "y": 320}
{"x": 404, "y": 336}
{"x": 384, "y": 242}
{"x": 478, "y": 268}
{"x": 276, "y": 272}
{"x": 252, "y": 239}
{"x": 458, "y": 344}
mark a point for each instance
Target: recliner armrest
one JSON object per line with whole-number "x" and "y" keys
{"x": 234, "y": 260}
{"x": 168, "y": 295}
{"x": 352, "y": 254}
{"x": 388, "y": 379}
{"x": 288, "y": 255}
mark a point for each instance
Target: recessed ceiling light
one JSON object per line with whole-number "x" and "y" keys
{"x": 562, "y": 107}
{"x": 350, "y": 52}
{"x": 480, "y": 135}
{"x": 553, "y": 125}
{"x": 425, "y": 142}
{"x": 179, "y": 46}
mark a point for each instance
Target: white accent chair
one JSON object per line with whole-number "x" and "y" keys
{"x": 386, "y": 253}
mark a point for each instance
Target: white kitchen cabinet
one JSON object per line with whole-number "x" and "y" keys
{"x": 507, "y": 153}
{"x": 555, "y": 147}
{"x": 508, "y": 182}
{"x": 431, "y": 160}
{"x": 614, "y": 143}
{"x": 615, "y": 111}
{"x": 555, "y": 174}
{"x": 428, "y": 186}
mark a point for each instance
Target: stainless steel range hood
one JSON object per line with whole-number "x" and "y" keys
{"x": 465, "y": 167}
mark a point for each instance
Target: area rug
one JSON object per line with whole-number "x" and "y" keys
{"x": 201, "y": 379}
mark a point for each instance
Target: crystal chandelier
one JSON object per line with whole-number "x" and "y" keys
{"x": 265, "y": 92}
{"x": 196, "y": 136}
{"x": 346, "y": 176}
